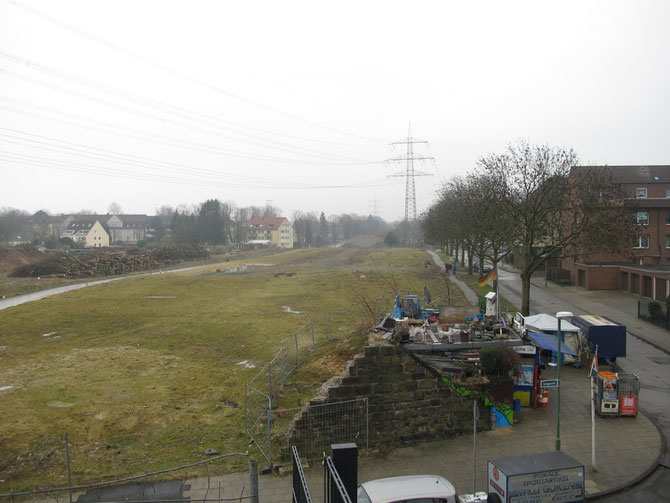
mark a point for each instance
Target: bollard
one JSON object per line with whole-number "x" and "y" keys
{"x": 493, "y": 419}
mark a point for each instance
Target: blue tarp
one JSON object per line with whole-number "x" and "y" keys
{"x": 479, "y": 316}
{"x": 548, "y": 341}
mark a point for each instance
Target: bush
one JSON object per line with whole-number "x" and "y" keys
{"x": 655, "y": 309}
{"x": 499, "y": 361}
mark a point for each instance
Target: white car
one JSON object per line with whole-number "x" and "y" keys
{"x": 410, "y": 489}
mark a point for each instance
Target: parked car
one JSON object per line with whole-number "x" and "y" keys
{"x": 409, "y": 489}
{"x": 487, "y": 267}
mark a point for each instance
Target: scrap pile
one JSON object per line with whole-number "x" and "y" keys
{"x": 87, "y": 265}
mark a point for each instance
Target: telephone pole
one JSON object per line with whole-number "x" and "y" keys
{"x": 410, "y": 173}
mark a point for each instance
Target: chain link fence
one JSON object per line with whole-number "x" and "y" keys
{"x": 267, "y": 427}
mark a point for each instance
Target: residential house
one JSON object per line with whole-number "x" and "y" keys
{"x": 87, "y": 231}
{"x": 23, "y": 238}
{"x": 278, "y": 230}
{"x": 644, "y": 268}
{"x": 127, "y": 229}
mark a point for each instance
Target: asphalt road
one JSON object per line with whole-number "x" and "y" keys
{"x": 650, "y": 364}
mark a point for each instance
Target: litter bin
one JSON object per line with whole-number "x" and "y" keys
{"x": 628, "y": 390}
{"x": 607, "y": 399}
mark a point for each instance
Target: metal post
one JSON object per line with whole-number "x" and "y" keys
{"x": 560, "y": 315}
{"x": 475, "y": 415}
{"x": 253, "y": 481}
{"x": 69, "y": 475}
{"x": 311, "y": 328}
{"x": 297, "y": 359}
{"x": 330, "y": 325}
{"x": 558, "y": 415}
{"x": 270, "y": 433}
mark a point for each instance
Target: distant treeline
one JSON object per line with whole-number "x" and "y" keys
{"x": 215, "y": 222}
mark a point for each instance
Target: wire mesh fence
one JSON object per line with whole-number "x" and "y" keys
{"x": 264, "y": 425}
{"x": 312, "y": 429}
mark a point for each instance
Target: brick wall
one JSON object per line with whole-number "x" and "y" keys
{"x": 406, "y": 404}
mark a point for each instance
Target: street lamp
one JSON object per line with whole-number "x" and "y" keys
{"x": 560, "y": 315}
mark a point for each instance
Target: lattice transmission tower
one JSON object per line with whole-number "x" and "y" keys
{"x": 409, "y": 174}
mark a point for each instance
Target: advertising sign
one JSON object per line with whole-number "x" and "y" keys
{"x": 628, "y": 405}
{"x": 539, "y": 478}
{"x": 526, "y": 376}
{"x": 545, "y": 487}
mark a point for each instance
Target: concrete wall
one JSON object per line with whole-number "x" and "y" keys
{"x": 406, "y": 404}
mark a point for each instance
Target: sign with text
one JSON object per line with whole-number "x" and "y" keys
{"x": 549, "y": 383}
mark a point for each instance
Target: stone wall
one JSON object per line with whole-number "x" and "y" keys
{"x": 406, "y": 402}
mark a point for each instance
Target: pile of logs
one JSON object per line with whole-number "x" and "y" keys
{"x": 106, "y": 263}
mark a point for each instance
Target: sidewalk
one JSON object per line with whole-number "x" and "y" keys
{"x": 616, "y": 305}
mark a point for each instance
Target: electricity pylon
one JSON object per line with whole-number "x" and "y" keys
{"x": 410, "y": 173}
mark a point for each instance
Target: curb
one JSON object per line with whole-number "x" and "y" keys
{"x": 644, "y": 475}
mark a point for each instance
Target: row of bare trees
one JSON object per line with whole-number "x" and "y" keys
{"x": 532, "y": 201}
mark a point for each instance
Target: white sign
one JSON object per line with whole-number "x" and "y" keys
{"x": 525, "y": 349}
{"x": 543, "y": 487}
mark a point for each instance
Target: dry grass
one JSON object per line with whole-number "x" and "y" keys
{"x": 143, "y": 373}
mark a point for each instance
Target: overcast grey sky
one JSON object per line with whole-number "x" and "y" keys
{"x": 147, "y": 103}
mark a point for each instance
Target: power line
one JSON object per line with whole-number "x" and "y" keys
{"x": 292, "y": 150}
{"x": 410, "y": 173}
{"x": 172, "y": 71}
{"x": 160, "y": 139}
{"x": 169, "y": 108}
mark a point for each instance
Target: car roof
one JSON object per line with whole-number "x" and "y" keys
{"x": 412, "y": 486}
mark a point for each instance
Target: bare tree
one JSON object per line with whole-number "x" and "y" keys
{"x": 114, "y": 208}
{"x": 548, "y": 209}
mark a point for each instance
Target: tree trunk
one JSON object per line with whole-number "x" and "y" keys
{"x": 525, "y": 292}
{"x": 462, "y": 256}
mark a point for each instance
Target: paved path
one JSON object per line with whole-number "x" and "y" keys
{"x": 469, "y": 293}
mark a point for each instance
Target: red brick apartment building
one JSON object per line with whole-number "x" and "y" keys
{"x": 644, "y": 269}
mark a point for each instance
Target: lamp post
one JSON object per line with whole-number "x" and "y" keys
{"x": 560, "y": 315}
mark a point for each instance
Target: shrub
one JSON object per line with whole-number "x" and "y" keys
{"x": 655, "y": 309}
{"x": 499, "y": 361}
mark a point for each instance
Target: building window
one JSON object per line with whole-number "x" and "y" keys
{"x": 667, "y": 193}
{"x": 641, "y": 241}
{"x": 641, "y": 193}
{"x": 642, "y": 218}
{"x": 667, "y": 240}
{"x": 667, "y": 218}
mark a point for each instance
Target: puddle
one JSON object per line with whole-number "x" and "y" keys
{"x": 246, "y": 364}
{"x": 5, "y": 388}
{"x": 49, "y": 333}
{"x": 287, "y": 309}
{"x": 159, "y": 297}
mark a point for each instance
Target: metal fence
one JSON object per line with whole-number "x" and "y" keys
{"x": 314, "y": 428}
{"x": 301, "y": 492}
{"x": 655, "y": 312}
{"x": 333, "y": 488}
{"x": 267, "y": 427}
{"x": 138, "y": 487}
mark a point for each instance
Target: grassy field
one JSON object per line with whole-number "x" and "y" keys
{"x": 143, "y": 374}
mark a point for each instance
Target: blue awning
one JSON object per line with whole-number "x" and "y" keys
{"x": 548, "y": 341}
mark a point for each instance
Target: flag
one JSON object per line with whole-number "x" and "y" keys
{"x": 594, "y": 364}
{"x": 484, "y": 280}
